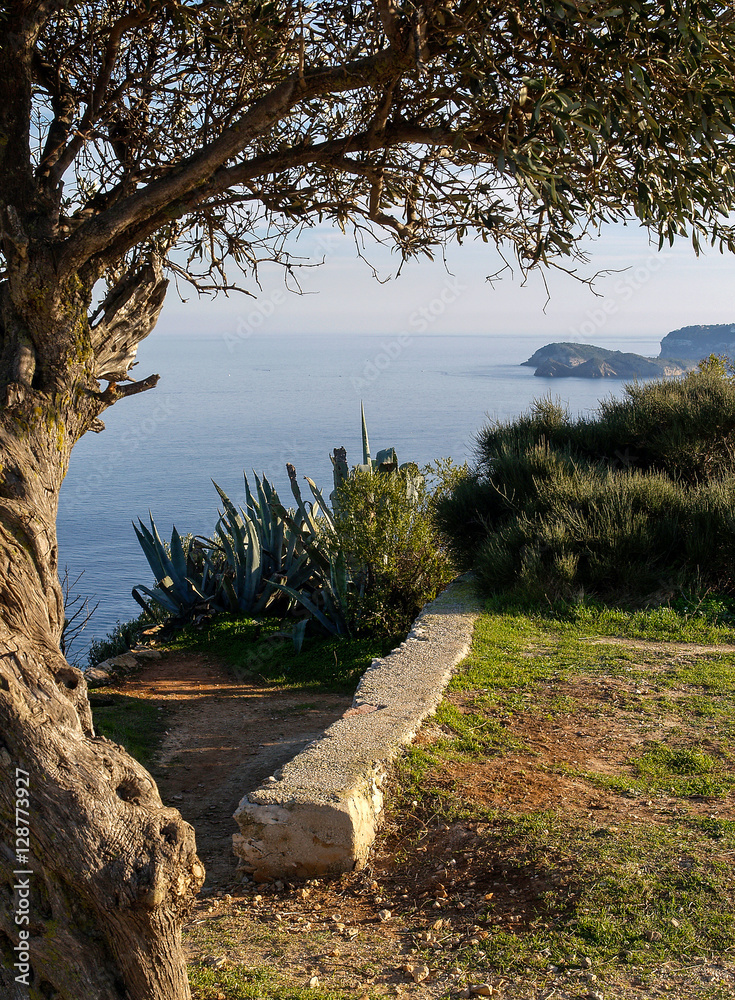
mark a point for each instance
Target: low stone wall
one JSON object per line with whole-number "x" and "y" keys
{"x": 319, "y": 814}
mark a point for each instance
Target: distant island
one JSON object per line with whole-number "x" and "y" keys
{"x": 681, "y": 350}
{"x": 586, "y": 361}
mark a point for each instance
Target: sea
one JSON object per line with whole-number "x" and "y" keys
{"x": 223, "y": 408}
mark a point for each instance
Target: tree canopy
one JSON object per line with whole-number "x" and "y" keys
{"x": 221, "y": 128}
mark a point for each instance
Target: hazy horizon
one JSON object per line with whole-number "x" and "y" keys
{"x": 646, "y": 294}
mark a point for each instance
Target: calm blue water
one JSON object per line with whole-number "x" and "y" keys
{"x": 220, "y": 409}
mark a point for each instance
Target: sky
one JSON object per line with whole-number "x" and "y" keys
{"x": 647, "y": 294}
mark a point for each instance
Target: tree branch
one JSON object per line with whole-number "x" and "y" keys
{"x": 95, "y": 235}
{"x": 64, "y": 105}
{"x": 129, "y": 313}
{"x": 332, "y": 152}
{"x": 90, "y": 115}
{"x": 113, "y": 392}
{"x": 390, "y": 20}
{"x": 16, "y": 54}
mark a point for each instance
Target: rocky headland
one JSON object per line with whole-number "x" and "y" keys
{"x": 681, "y": 350}
{"x": 587, "y": 361}
{"x": 697, "y": 342}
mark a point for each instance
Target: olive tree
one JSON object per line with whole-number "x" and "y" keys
{"x": 145, "y": 139}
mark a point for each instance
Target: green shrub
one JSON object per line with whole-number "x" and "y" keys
{"x": 684, "y": 427}
{"x": 378, "y": 553}
{"x": 637, "y": 502}
{"x": 387, "y": 534}
{"x": 460, "y": 519}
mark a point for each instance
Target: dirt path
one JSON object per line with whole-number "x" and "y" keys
{"x": 224, "y": 737}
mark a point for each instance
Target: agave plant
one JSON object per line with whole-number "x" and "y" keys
{"x": 243, "y": 583}
{"x": 186, "y": 580}
{"x": 324, "y": 592}
{"x": 262, "y": 547}
{"x": 280, "y": 533}
{"x": 238, "y": 569}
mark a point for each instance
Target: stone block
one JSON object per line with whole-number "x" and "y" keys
{"x": 320, "y": 814}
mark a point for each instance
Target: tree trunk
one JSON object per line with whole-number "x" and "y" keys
{"x": 93, "y": 891}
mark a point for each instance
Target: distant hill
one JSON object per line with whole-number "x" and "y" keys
{"x": 697, "y": 342}
{"x": 567, "y": 360}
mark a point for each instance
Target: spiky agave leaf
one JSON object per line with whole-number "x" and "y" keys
{"x": 322, "y": 506}
{"x": 181, "y": 586}
{"x": 158, "y": 596}
{"x": 153, "y": 549}
{"x": 365, "y": 441}
{"x": 241, "y": 544}
{"x": 334, "y": 626}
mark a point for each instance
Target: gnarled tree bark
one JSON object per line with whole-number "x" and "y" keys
{"x": 113, "y": 869}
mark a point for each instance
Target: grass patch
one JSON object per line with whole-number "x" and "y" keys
{"x": 662, "y": 762}
{"x": 642, "y": 894}
{"x": 239, "y": 983}
{"x": 639, "y": 890}
{"x": 711, "y": 675}
{"x": 637, "y": 896}
{"x": 683, "y": 623}
{"x": 136, "y": 723}
{"x": 510, "y": 655}
{"x": 263, "y": 651}
{"x": 715, "y": 828}
{"x": 682, "y": 772}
